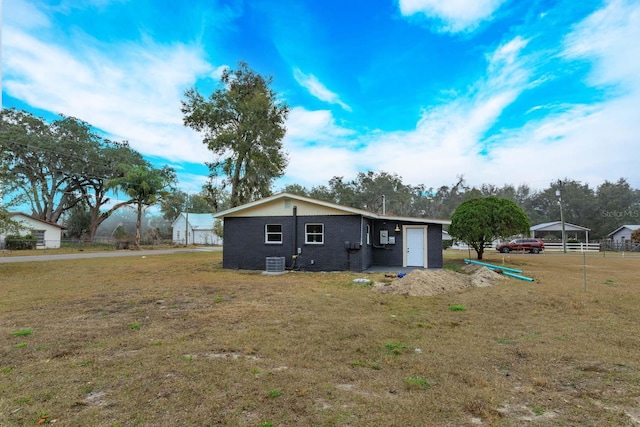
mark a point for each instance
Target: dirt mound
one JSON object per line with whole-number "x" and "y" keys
{"x": 484, "y": 276}
{"x": 435, "y": 282}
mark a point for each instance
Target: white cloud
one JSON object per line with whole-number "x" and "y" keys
{"x": 609, "y": 38}
{"x": 587, "y": 142}
{"x": 23, "y": 14}
{"x": 310, "y": 126}
{"x": 317, "y": 89}
{"x": 455, "y": 15}
{"x": 444, "y": 144}
{"x": 130, "y": 91}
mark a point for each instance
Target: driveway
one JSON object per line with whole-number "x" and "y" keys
{"x": 113, "y": 254}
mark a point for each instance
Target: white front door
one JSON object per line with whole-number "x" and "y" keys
{"x": 415, "y": 247}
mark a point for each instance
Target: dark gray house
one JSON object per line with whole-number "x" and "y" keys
{"x": 315, "y": 235}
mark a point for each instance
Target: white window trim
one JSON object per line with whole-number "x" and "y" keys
{"x": 39, "y": 235}
{"x": 306, "y": 234}
{"x": 267, "y": 233}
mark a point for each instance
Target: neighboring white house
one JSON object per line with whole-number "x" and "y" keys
{"x": 623, "y": 233}
{"x": 47, "y": 233}
{"x": 198, "y": 229}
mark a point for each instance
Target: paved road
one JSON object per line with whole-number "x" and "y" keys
{"x": 113, "y": 254}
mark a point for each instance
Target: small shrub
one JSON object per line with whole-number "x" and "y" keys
{"x": 18, "y": 243}
{"x": 22, "y": 333}
{"x": 395, "y": 347}
{"x": 416, "y": 382}
{"x": 537, "y": 410}
{"x": 23, "y": 400}
{"x": 274, "y": 393}
{"x": 457, "y": 307}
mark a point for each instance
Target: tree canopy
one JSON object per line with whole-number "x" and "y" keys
{"x": 482, "y": 220}
{"x": 145, "y": 185}
{"x": 59, "y": 166}
{"x": 243, "y": 125}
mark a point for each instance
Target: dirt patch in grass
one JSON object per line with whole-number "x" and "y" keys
{"x": 421, "y": 283}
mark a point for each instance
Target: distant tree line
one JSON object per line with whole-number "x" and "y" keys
{"x": 602, "y": 209}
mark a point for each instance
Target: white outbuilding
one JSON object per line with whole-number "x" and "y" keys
{"x": 198, "y": 229}
{"x": 623, "y": 233}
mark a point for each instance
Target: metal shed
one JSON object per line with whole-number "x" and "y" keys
{"x": 557, "y": 226}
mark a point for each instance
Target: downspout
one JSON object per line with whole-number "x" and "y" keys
{"x": 294, "y": 257}
{"x": 295, "y": 230}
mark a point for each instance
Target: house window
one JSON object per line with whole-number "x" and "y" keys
{"x": 273, "y": 233}
{"x": 314, "y": 233}
{"x": 38, "y": 234}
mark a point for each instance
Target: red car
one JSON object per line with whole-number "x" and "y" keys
{"x": 531, "y": 245}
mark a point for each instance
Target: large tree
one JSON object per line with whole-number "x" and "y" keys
{"x": 146, "y": 186}
{"x": 104, "y": 162}
{"x": 482, "y": 220}
{"x": 60, "y": 165}
{"x": 35, "y": 160}
{"x": 617, "y": 203}
{"x": 243, "y": 125}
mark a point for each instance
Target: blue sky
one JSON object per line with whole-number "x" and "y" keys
{"x": 499, "y": 91}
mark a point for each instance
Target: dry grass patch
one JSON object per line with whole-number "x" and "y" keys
{"x": 175, "y": 340}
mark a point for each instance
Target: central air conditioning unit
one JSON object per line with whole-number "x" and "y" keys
{"x": 275, "y": 265}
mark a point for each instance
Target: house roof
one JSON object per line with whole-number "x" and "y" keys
{"x": 198, "y": 221}
{"x": 557, "y": 226}
{"x": 321, "y": 203}
{"x": 628, "y": 226}
{"x": 33, "y": 218}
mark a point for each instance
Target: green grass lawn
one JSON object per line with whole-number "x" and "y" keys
{"x": 172, "y": 340}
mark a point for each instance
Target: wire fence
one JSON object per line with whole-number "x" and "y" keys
{"x": 12, "y": 244}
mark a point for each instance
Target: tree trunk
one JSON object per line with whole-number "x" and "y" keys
{"x": 97, "y": 218}
{"x": 138, "y": 225}
{"x": 235, "y": 181}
